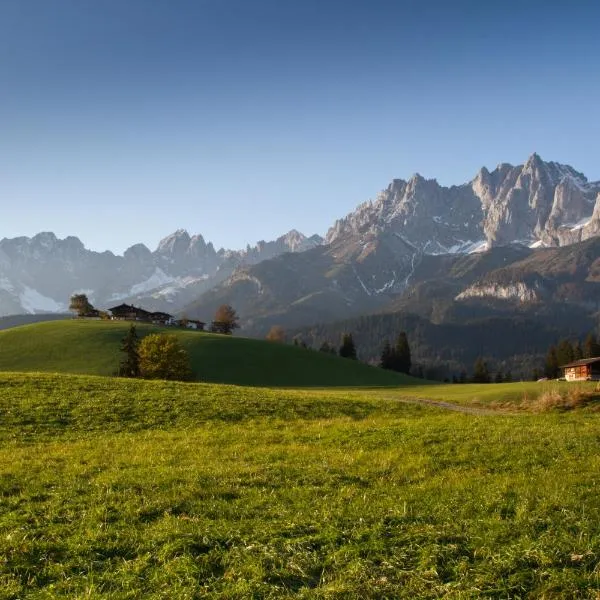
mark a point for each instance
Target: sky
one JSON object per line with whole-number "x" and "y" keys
{"x": 124, "y": 120}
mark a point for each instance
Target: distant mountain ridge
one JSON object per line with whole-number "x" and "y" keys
{"x": 39, "y": 274}
{"x": 367, "y": 257}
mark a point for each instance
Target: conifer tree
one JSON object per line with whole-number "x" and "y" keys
{"x": 551, "y": 367}
{"x": 402, "y": 357}
{"x": 130, "y": 365}
{"x": 564, "y": 353}
{"x": 591, "y": 347}
{"x": 348, "y": 349}
{"x": 481, "y": 373}
{"x": 387, "y": 358}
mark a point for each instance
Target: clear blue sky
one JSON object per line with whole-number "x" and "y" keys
{"x": 123, "y": 120}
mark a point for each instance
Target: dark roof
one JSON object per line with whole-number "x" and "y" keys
{"x": 129, "y": 309}
{"x": 161, "y": 315}
{"x": 582, "y": 362}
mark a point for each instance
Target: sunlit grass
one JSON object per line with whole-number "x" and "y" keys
{"x": 126, "y": 489}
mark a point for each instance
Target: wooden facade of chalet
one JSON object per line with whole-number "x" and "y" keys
{"x": 128, "y": 312}
{"x": 587, "y": 369}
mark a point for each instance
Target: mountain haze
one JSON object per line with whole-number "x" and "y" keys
{"x": 368, "y": 259}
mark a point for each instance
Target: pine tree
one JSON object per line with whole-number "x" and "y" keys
{"x": 386, "y": 361}
{"x": 402, "y": 357}
{"x": 348, "y": 349}
{"x": 499, "y": 378}
{"x": 327, "y": 348}
{"x": 564, "y": 353}
{"x": 130, "y": 365}
{"x": 591, "y": 347}
{"x": 481, "y": 373}
{"x": 551, "y": 367}
{"x": 577, "y": 351}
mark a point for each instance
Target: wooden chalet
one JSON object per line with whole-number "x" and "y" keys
{"x": 161, "y": 318}
{"x": 587, "y": 369}
{"x": 127, "y": 312}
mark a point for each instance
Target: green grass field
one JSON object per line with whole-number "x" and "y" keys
{"x": 331, "y": 481}
{"x": 92, "y": 347}
{"x": 130, "y": 489}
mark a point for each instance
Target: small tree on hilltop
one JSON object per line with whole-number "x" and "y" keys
{"x": 348, "y": 349}
{"x": 226, "y": 320}
{"x": 327, "y": 348}
{"x": 80, "y": 305}
{"x": 130, "y": 365}
{"x": 163, "y": 357}
{"x": 276, "y": 334}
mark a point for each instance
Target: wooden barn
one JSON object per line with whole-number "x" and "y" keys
{"x": 587, "y": 369}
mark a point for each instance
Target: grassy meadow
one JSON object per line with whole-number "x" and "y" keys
{"x": 92, "y": 348}
{"x": 145, "y": 489}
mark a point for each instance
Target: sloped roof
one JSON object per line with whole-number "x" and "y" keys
{"x": 582, "y": 362}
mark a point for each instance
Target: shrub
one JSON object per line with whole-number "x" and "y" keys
{"x": 163, "y": 357}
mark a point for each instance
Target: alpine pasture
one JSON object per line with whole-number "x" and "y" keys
{"x": 311, "y": 477}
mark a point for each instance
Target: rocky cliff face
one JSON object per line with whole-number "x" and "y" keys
{"x": 377, "y": 251}
{"x": 535, "y": 203}
{"x": 39, "y": 274}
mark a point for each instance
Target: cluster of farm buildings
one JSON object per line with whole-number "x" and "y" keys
{"x": 126, "y": 312}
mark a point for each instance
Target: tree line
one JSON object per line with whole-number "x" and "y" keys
{"x": 566, "y": 351}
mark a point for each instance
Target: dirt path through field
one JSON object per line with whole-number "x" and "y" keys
{"x": 469, "y": 410}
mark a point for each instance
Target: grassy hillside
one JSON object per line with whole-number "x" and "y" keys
{"x": 92, "y": 347}
{"x": 131, "y": 489}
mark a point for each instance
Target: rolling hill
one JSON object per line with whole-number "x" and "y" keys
{"x": 92, "y": 347}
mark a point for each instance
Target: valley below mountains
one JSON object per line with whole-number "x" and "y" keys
{"x": 518, "y": 242}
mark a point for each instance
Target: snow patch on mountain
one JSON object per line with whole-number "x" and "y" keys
{"x": 158, "y": 278}
{"x": 34, "y": 302}
{"x": 6, "y": 285}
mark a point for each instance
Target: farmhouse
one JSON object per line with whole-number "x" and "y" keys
{"x": 587, "y": 369}
{"x": 129, "y": 313}
{"x": 125, "y": 312}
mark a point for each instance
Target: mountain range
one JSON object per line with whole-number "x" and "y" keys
{"x": 39, "y": 274}
{"x": 418, "y": 247}
{"x": 378, "y": 253}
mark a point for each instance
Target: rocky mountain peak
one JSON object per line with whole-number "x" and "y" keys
{"x": 174, "y": 243}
